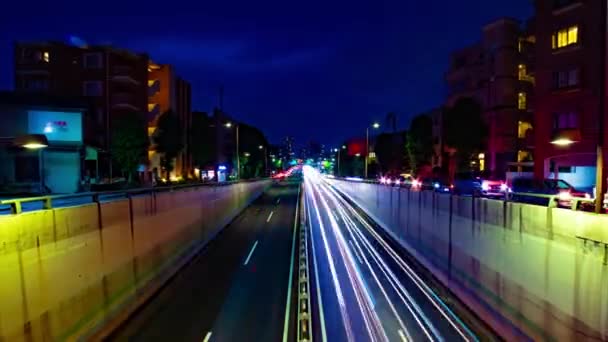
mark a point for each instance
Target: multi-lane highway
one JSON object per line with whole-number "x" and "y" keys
{"x": 237, "y": 289}
{"x": 363, "y": 289}
{"x": 242, "y": 287}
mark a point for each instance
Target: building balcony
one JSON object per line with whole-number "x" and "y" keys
{"x": 153, "y": 111}
{"x": 123, "y": 74}
{"x": 123, "y": 101}
{"x": 153, "y": 87}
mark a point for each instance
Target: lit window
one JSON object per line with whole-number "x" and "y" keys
{"x": 565, "y": 37}
{"x": 522, "y": 128}
{"x": 45, "y": 56}
{"x": 523, "y": 156}
{"x": 522, "y": 72}
{"x": 521, "y": 101}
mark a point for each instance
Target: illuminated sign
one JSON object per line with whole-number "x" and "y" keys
{"x": 57, "y": 126}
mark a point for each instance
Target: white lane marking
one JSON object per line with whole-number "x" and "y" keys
{"x": 403, "y": 338}
{"x": 251, "y": 253}
{"x": 207, "y": 337}
{"x": 289, "y": 281}
{"x": 269, "y": 217}
{"x": 279, "y": 200}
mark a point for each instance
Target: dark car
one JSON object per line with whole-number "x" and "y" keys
{"x": 564, "y": 192}
{"x": 434, "y": 184}
{"x": 479, "y": 185}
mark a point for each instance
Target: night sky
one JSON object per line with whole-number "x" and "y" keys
{"x": 316, "y": 70}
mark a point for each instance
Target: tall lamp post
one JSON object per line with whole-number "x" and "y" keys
{"x": 238, "y": 159}
{"x": 566, "y": 140}
{"x": 262, "y": 147}
{"x": 376, "y": 126}
{"x": 35, "y": 142}
{"x": 338, "y": 151}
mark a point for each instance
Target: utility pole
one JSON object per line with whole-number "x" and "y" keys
{"x": 366, "y": 149}
{"x": 599, "y": 177}
{"x": 221, "y": 98}
{"x": 238, "y": 156}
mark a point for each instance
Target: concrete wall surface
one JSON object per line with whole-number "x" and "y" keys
{"x": 529, "y": 271}
{"x": 69, "y": 273}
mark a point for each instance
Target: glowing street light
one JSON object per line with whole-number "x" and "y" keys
{"x": 563, "y": 142}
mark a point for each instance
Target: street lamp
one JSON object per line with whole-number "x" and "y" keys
{"x": 337, "y": 150}
{"x": 375, "y": 125}
{"x": 261, "y": 147}
{"x": 238, "y": 162}
{"x": 35, "y": 142}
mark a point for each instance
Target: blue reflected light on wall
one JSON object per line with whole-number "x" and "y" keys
{"x": 57, "y": 126}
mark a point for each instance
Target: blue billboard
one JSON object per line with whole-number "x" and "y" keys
{"x": 57, "y": 126}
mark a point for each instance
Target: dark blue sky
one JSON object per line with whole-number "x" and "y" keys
{"x": 312, "y": 69}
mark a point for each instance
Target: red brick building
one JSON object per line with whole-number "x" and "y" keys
{"x": 568, "y": 89}
{"x": 498, "y": 73}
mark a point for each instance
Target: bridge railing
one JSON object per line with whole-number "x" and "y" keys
{"x": 16, "y": 204}
{"x": 552, "y": 200}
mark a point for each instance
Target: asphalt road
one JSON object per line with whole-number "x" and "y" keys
{"x": 237, "y": 288}
{"x": 363, "y": 289}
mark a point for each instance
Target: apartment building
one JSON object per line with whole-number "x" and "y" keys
{"x": 168, "y": 92}
{"x": 498, "y": 72}
{"x": 568, "y": 84}
{"x": 117, "y": 81}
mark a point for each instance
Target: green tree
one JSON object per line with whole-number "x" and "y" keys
{"x": 419, "y": 142}
{"x": 252, "y": 156}
{"x": 129, "y": 142}
{"x": 168, "y": 138}
{"x": 465, "y": 130}
{"x": 202, "y": 140}
{"x": 390, "y": 152}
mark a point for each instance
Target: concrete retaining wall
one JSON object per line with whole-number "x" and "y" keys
{"x": 529, "y": 271}
{"x": 70, "y": 272}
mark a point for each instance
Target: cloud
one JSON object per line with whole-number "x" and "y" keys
{"x": 228, "y": 55}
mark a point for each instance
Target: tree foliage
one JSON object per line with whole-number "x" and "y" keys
{"x": 250, "y": 139}
{"x": 202, "y": 140}
{"x": 168, "y": 138}
{"x": 390, "y": 152}
{"x": 465, "y": 130}
{"x": 129, "y": 142}
{"x": 419, "y": 142}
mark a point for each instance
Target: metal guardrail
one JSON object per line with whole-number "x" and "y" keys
{"x": 304, "y": 309}
{"x": 553, "y": 200}
{"x": 16, "y": 206}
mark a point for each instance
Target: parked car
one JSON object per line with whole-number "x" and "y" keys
{"x": 565, "y": 192}
{"x": 479, "y": 185}
{"x": 432, "y": 184}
